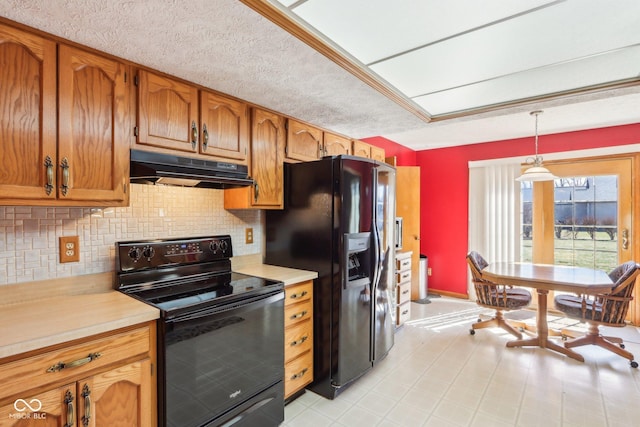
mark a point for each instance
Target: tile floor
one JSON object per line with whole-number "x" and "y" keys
{"x": 437, "y": 374}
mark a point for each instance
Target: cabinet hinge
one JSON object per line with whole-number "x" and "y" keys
{"x": 125, "y": 77}
{"x": 135, "y": 131}
{"x": 136, "y": 80}
{"x": 286, "y": 149}
{"x": 124, "y": 188}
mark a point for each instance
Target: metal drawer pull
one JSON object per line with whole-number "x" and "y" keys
{"x": 64, "y": 165}
{"x": 86, "y": 418}
{"x": 405, "y": 312}
{"x": 48, "y": 164}
{"x": 300, "y": 341}
{"x": 68, "y": 399}
{"x": 205, "y": 137}
{"x": 194, "y": 135}
{"x": 299, "y": 315}
{"x": 299, "y": 374}
{"x": 61, "y": 365}
{"x": 406, "y": 291}
{"x": 300, "y": 295}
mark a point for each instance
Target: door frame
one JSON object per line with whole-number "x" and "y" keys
{"x": 627, "y": 167}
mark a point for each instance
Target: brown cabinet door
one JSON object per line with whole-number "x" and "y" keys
{"x": 51, "y": 408}
{"x": 167, "y": 113}
{"x": 120, "y": 397}
{"x": 304, "y": 142}
{"x": 377, "y": 153}
{"x": 224, "y": 127}
{"x": 93, "y": 141}
{"x": 267, "y": 152}
{"x": 335, "y": 145}
{"x": 361, "y": 149}
{"x": 27, "y": 116}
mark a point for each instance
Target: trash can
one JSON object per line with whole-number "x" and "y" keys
{"x": 423, "y": 284}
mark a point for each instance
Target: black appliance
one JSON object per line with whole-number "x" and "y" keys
{"x": 167, "y": 169}
{"x": 220, "y": 335}
{"x": 338, "y": 220}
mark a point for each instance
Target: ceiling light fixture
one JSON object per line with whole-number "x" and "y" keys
{"x": 536, "y": 172}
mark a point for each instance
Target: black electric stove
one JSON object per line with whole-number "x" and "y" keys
{"x": 220, "y": 336}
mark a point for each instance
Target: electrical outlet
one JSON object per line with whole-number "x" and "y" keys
{"x": 248, "y": 235}
{"x": 69, "y": 249}
{"x": 429, "y": 271}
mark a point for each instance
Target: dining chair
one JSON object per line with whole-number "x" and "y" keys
{"x": 498, "y": 297}
{"x": 608, "y": 309}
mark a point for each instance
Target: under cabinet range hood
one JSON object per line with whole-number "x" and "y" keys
{"x": 167, "y": 169}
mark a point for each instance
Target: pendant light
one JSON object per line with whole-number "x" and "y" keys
{"x": 536, "y": 172}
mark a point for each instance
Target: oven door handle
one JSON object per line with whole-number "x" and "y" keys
{"x": 237, "y": 306}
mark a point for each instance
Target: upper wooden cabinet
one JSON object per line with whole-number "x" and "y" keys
{"x": 377, "y": 153}
{"x": 176, "y": 116}
{"x": 27, "y": 116}
{"x": 335, "y": 145}
{"x": 79, "y": 160}
{"x": 93, "y": 128}
{"x": 304, "y": 142}
{"x": 369, "y": 151}
{"x": 268, "y": 138}
{"x": 361, "y": 149}
{"x": 224, "y": 123}
{"x": 307, "y": 143}
{"x": 167, "y": 113}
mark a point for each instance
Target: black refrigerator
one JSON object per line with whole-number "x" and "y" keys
{"x": 338, "y": 220}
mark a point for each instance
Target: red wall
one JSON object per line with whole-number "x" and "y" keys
{"x": 444, "y": 192}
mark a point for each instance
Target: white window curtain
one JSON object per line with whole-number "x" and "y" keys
{"x": 494, "y": 213}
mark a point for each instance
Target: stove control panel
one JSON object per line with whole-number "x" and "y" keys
{"x": 158, "y": 253}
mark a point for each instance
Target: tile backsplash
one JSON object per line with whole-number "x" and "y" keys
{"x": 29, "y": 236}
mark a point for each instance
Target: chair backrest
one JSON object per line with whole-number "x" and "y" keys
{"x": 623, "y": 278}
{"x": 486, "y": 294}
{"x": 615, "y": 305}
{"x": 476, "y": 264}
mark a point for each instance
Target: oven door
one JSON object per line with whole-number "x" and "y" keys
{"x": 224, "y": 365}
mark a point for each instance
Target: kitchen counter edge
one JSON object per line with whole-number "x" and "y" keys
{"x": 38, "y": 324}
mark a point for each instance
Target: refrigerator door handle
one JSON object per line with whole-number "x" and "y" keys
{"x": 377, "y": 265}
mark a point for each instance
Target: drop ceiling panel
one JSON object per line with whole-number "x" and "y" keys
{"x": 375, "y": 29}
{"x": 591, "y": 71}
{"x": 548, "y": 36}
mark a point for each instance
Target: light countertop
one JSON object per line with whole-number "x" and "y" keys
{"x": 58, "y": 318}
{"x": 289, "y": 276}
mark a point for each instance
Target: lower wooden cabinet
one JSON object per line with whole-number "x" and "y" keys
{"x": 103, "y": 381}
{"x": 298, "y": 333}
{"x": 403, "y": 287}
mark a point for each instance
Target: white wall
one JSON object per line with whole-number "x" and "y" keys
{"x": 29, "y": 235}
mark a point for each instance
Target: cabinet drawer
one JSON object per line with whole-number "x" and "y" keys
{"x": 403, "y": 313}
{"x": 404, "y": 292}
{"x": 69, "y": 363}
{"x": 298, "y": 339}
{"x": 403, "y": 276}
{"x": 298, "y": 373}
{"x": 299, "y": 292}
{"x": 403, "y": 264}
{"x": 297, "y": 313}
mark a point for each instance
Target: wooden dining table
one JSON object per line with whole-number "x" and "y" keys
{"x": 544, "y": 278}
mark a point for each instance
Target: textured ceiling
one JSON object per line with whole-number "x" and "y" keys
{"x": 224, "y": 45}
